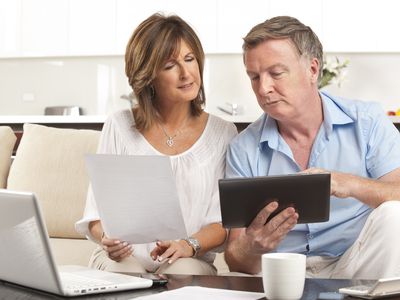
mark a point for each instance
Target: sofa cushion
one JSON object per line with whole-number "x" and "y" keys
{"x": 50, "y": 162}
{"x": 7, "y": 142}
{"x": 72, "y": 251}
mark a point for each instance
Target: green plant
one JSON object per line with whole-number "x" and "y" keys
{"x": 332, "y": 72}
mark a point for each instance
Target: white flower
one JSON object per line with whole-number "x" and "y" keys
{"x": 333, "y": 71}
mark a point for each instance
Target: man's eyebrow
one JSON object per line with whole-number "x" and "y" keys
{"x": 278, "y": 65}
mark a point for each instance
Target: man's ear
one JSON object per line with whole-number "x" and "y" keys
{"x": 314, "y": 69}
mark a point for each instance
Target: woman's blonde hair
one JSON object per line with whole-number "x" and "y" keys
{"x": 153, "y": 42}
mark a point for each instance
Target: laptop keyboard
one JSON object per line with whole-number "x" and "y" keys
{"x": 77, "y": 282}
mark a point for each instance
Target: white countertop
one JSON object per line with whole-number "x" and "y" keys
{"x": 51, "y": 119}
{"x": 97, "y": 119}
{"x": 395, "y": 119}
{"x": 102, "y": 118}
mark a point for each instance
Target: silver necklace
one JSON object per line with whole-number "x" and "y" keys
{"x": 170, "y": 138}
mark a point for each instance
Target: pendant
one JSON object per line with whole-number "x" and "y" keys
{"x": 170, "y": 142}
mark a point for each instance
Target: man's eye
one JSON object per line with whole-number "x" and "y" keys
{"x": 276, "y": 74}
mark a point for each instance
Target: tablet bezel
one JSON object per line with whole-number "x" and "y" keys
{"x": 242, "y": 198}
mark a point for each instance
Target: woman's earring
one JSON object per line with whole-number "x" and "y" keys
{"x": 152, "y": 92}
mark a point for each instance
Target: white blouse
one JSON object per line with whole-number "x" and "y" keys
{"x": 196, "y": 171}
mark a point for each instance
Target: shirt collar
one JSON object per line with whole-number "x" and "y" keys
{"x": 333, "y": 115}
{"x": 269, "y": 132}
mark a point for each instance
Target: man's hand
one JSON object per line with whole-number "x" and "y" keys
{"x": 245, "y": 246}
{"x": 262, "y": 237}
{"x": 341, "y": 183}
{"x": 372, "y": 192}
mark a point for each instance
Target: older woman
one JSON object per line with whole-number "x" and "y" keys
{"x": 164, "y": 64}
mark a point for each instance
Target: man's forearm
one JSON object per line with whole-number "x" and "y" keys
{"x": 373, "y": 192}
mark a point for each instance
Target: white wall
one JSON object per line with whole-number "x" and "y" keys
{"x": 96, "y": 83}
{"x": 372, "y": 77}
{"x": 93, "y": 83}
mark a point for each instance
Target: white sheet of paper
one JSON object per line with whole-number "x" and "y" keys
{"x": 136, "y": 197}
{"x": 200, "y": 293}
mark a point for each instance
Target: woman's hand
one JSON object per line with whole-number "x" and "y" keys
{"x": 116, "y": 249}
{"x": 171, "y": 250}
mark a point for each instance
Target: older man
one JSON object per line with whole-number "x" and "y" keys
{"x": 306, "y": 130}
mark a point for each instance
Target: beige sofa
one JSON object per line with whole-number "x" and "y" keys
{"x": 50, "y": 162}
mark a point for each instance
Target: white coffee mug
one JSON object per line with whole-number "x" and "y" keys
{"x": 283, "y": 275}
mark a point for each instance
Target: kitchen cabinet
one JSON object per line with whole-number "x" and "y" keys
{"x": 350, "y": 26}
{"x": 361, "y": 26}
{"x": 202, "y": 18}
{"x": 235, "y": 19}
{"x": 10, "y": 28}
{"x": 389, "y": 24}
{"x": 129, "y": 15}
{"x": 56, "y": 28}
{"x": 309, "y": 12}
{"x": 92, "y": 27}
{"x": 103, "y": 27}
{"x": 44, "y": 27}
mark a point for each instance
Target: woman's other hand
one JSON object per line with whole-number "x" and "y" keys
{"x": 171, "y": 250}
{"x": 116, "y": 250}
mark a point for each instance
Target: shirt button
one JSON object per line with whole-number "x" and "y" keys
{"x": 310, "y": 236}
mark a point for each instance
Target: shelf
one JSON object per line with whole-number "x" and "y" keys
{"x": 51, "y": 119}
{"x": 395, "y": 119}
{"x": 79, "y": 122}
{"x": 97, "y": 121}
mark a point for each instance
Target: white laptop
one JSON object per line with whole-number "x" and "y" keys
{"x": 26, "y": 258}
{"x": 381, "y": 288}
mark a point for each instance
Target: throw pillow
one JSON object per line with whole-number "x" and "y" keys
{"x": 50, "y": 163}
{"x": 7, "y": 142}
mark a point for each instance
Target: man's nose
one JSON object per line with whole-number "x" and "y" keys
{"x": 266, "y": 85}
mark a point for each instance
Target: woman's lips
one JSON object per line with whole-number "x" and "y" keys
{"x": 186, "y": 86}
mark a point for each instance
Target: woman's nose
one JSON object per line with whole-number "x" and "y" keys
{"x": 184, "y": 72}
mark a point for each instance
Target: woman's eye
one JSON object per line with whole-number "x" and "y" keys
{"x": 189, "y": 58}
{"x": 254, "y": 78}
{"x": 169, "y": 66}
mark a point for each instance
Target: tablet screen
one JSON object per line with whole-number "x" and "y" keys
{"x": 242, "y": 198}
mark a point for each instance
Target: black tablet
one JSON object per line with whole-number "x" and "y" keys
{"x": 242, "y": 198}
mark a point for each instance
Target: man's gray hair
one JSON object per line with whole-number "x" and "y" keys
{"x": 285, "y": 27}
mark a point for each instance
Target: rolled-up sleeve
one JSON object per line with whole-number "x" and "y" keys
{"x": 107, "y": 145}
{"x": 90, "y": 214}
